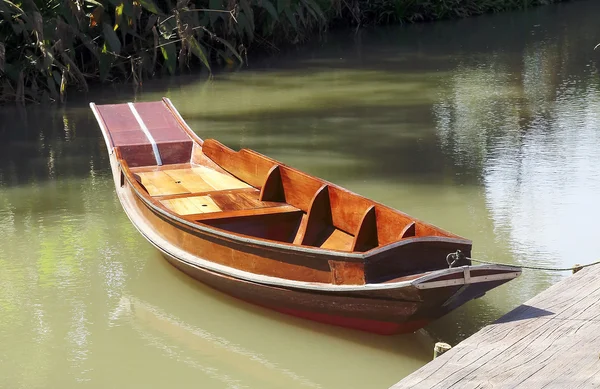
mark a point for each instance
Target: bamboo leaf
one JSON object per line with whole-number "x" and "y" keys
{"x": 282, "y": 5}
{"x": 268, "y": 6}
{"x": 291, "y": 18}
{"x": 111, "y": 37}
{"x": 150, "y": 6}
{"x": 38, "y": 26}
{"x": 169, "y": 54}
{"x": 248, "y": 12}
{"x": 230, "y": 47}
{"x": 151, "y": 22}
{"x": 197, "y": 49}
{"x": 312, "y": 5}
{"x": 118, "y": 16}
{"x": 245, "y": 25}
{"x": 94, "y": 2}
{"x": 128, "y": 9}
{"x": 16, "y": 7}
{"x": 104, "y": 64}
{"x": 89, "y": 43}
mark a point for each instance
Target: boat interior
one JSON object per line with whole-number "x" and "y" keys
{"x": 244, "y": 192}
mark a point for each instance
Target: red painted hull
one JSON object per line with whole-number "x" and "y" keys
{"x": 373, "y": 326}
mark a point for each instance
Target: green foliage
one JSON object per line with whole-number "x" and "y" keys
{"x": 401, "y": 11}
{"x": 48, "y": 45}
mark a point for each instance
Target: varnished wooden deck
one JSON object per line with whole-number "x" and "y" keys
{"x": 194, "y": 191}
{"x": 551, "y": 341}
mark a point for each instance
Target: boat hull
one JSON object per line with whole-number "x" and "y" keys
{"x": 385, "y": 311}
{"x": 356, "y": 310}
{"x": 345, "y": 312}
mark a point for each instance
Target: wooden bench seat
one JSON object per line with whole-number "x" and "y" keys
{"x": 185, "y": 178}
{"x": 219, "y": 202}
{"x": 201, "y": 194}
{"x": 243, "y": 213}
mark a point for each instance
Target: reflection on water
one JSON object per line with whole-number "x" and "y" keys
{"x": 487, "y": 127}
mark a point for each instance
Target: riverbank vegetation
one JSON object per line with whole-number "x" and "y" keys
{"x": 47, "y": 46}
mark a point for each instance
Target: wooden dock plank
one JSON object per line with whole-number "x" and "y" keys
{"x": 551, "y": 341}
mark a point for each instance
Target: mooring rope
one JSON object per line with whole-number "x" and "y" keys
{"x": 452, "y": 258}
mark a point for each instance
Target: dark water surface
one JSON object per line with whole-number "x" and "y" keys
{"x": 487, "y": 127}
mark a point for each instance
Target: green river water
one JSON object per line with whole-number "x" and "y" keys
{"x": 487, "y": 127}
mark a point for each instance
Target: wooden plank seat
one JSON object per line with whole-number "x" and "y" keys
{"x": 197, "y": 207}
{"x": 184, "y": 178}
{"x": 199, "y": 193}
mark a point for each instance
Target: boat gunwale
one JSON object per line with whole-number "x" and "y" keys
{"x": 266, "y": 243}
{"x": 271, "y": 281}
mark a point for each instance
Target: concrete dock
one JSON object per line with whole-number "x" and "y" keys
{"x": 551, "y": 341}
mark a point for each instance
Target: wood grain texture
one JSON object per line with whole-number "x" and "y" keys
{"x": 299, "y": 188}
{"x": 188, "y": 178}
{"x": 318, "y": 219}
{"x": 231, "y": 201}
{"x": 242, "y": 164}
{"x": 551, "y": 341}
{"x": 185, "y": 178}
{"x": 154, "y": 168}
{"x": 159, "y": 183}
{"x": 279, "y": 224}
{"x": 217, "y": 180}
{"x": 252, "y": 191}
{"x": 272, "y": 189}
{"x": 366, "y": 234}
{"x": 242, "y": 213}
{"x": 277, "y": 263}
{"x": 344, "y": 273}
{"x": 338, "y": 240}
{"x": 191, "y": 205}
{"x": 408, "y": 231}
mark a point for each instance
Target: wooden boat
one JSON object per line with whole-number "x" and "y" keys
{"x": 276, "y": 237}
